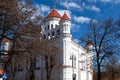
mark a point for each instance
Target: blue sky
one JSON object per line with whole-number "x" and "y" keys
{"x": 81, "y": 12}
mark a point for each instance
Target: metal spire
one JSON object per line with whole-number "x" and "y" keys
{"x": 54, "y": 4}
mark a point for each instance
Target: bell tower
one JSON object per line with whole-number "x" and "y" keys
{"x": 65, "y": 38}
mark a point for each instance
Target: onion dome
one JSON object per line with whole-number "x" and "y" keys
{"x": 89, "y": 45}
{"x": 65, "y": 17}
{"x": 53, "y": 13}
{"x": 6, "y": 40}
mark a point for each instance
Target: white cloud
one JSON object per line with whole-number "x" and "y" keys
{"x": 42, "y": 9}
{"x": 117, "y": 1}
{"x": 93, "y": 0}
{"x": 110, "y": 1}
{"x": 75, "y": 27}
{"x": 82, "y": 19}
{"x": 94, "y": 8}
{"x": 106, "y": 1}
{"x": 80, "y": 7}
{"x": 95, "y": 21}
{"x": 69, "y": 5}
{"x": 90, "y": 7}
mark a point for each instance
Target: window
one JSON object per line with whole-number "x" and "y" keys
{"x": 74, "y": 62}
{"x": 48, "y": 27}
{"x": 67, "y": 28}
{"x": 48, "y": 35}
{"x": 45, "y": 28}
{"x": 74, "y": 76}
{"x": 51, "y": 26}
{"x": 53, "y": 34}
{"x": 58, "y": 32}
{"x": 83, "y": 65}
{"x": 73, "y": 58}
{"x": 44, "y": 36}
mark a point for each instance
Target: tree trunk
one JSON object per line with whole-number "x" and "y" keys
{"x": 13, "y": 75}
{"x": 32, "y": 76}
{"x": 47, "y": 69}
{"x": 98, "y": 72}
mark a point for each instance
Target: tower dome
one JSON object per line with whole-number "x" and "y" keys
{"x": 6, "y": 40}
{"x": 65, "y": 24}
{"x": 53, "y": 13}
{"x": 65, "y": 17}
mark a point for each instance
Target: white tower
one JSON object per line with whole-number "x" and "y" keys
{"x": 65, "y": 37}
{"x": 65, "y": 24}
{"x": 57, "y": 26}
{"x": 6, "y": 45}
{"x": 51, "y": 25}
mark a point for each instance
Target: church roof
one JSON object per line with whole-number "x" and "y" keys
{"x": 53, "y": 13}
{"x": 65, "y": 17}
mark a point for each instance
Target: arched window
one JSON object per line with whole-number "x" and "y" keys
{"x": 44, "y": 36}
{"x": 58, "y": 32}
{"x": 51, "y": 26}
{"x": 53, "y": 34}
{"x": 48, "y": 27}
{"x": 48, "y": 35}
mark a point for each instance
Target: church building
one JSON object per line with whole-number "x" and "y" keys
{"x": 75, "y": 61}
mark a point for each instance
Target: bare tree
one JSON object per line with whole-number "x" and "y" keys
{"x": 19, "y": 23}
{"x": 22, "y": 26}
{"x": 112, "y": 68}
{"x": 104, "y": 37}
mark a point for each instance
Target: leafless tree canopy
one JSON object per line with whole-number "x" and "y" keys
{"x": 104, "y": 36}
{"x": 19, "y": 23}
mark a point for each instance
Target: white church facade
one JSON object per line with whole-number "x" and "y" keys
{"x": 76, "y": 61}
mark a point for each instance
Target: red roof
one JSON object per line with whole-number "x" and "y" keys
{"x": 6, "y": 40}
{"x": 54, "y": 13}
{"x": 88, "y": 43}
{"x": 65, "y": 17}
